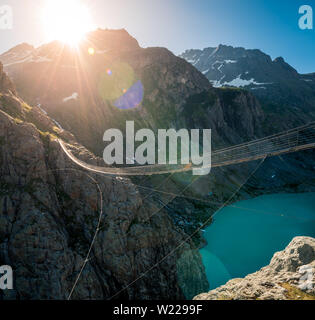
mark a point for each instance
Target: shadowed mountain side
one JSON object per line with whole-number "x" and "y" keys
{"x": 78, "y": 92}
{"x": 49, "y": 210}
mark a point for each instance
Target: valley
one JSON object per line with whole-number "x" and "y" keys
{"x": 151, "y": 226}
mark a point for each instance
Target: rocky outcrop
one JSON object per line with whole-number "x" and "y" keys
{"x": 289, "y": 276}
{"x": 5, "y": 83}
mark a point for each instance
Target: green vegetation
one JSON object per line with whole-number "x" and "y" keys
{"x": 47, "y": 137}
{"x": 26, "y": 107}
{"x": 293, "y": 293}
{"x": 22, "y": 112}
{"x": 11, "y": 106}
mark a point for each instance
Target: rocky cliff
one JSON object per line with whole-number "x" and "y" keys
{"x": 289, "y": 276}
{"x": 5, "y": 83}
{"x": 49, "y": 213}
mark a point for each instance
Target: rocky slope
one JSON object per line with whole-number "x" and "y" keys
{"x": 69, "y": 86}
{"x": 289, "y": 276}
{"x": 49, "y": 211}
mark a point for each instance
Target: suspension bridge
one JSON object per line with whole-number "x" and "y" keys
{"x": 294, "y": 140}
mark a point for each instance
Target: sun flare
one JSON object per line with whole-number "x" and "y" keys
{"x": 67, "y": 21}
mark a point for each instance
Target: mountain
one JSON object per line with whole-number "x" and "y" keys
{"x": 279, "y": 86}
{"x": 49, "y": 209}
{"x": 75, "y": 94}
{"x": 67, "y": 82}
{"x": 72, "y": 86}
{"x": 6, "y": 85}
{"x": 277, "y": 281}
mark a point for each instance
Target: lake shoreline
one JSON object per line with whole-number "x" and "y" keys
{"x": 240, "y": 220}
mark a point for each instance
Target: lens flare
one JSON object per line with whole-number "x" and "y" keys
{"x": 119, "y": 86}
{"x": 91, "y": 51}
{"x": 114, "y": 80}
{"x": 131, "y": 98}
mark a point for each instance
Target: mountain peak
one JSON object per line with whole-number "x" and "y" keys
{"x": 112, "y": 39}
{"x": 281, "y": 62}
{"x": 20, "y": 48}
{"x": 253, "y": 70}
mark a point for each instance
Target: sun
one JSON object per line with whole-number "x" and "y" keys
{"x": 66, "y": 20}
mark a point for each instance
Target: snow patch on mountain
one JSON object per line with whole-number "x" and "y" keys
{"x": 41, "y": 109}
{"x": 259, "y": 88}
{"x": 216, "y": 83}
{"x": 30, "y": 58}
{"x": 237, "y": 82}
{"x": 74, "y": 96}
{"x": 57, "y": 124}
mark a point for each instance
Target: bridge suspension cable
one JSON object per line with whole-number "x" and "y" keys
{"x": 293, "y": 140}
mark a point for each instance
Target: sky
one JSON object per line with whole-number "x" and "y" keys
{"x": 268, "y": 25}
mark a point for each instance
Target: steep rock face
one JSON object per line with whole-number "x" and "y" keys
{"x": 49, "y": 210}
{"x": 279, "y": 86}
{"x": 5, "y": 83}
{"x": 289, "y": 276}
{"x": 233, "y": 116}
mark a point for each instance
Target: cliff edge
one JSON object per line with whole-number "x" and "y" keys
{"x": 289, "y": 276}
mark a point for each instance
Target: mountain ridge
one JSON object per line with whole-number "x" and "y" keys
{"x": 175, "y": 95}
{"x": 279, "y": 88}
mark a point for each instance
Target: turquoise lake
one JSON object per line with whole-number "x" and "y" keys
{"x": 245, "y": 235}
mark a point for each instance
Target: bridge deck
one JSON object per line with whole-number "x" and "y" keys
{"x": 297, "y": 139}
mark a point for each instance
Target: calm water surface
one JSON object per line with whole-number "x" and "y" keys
{"x": 243, "y": 239}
